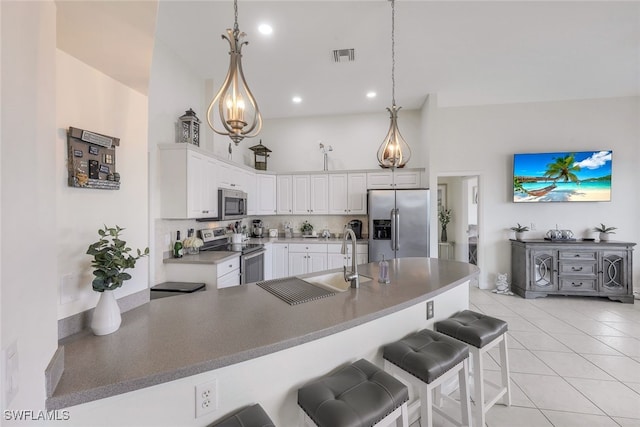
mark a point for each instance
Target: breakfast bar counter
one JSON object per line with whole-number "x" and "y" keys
{"x": 253, "y": 345}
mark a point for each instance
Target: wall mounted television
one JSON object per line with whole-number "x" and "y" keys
{"x": 568, "y": 176}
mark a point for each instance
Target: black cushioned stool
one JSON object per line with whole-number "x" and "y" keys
{"x": 358, "y": 395}
{"x": 252, "y": 416}
{"x": 426, "y": 359}
{"x": 481, "y": 333}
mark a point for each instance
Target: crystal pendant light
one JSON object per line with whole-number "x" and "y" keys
{"x": 394, "y": 152}
{"x": 237, "y": 108}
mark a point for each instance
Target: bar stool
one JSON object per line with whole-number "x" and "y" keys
{"x": 426, "y": 359}
{"x": 252, "y": 416}
{"x": 481, "y": 333}
{"x": 358, "y": 395}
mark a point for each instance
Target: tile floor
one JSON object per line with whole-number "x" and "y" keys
{"x": 574, "y": 361}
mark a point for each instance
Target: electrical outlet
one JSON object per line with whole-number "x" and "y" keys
{"x": 429, "y": 310}
{"x": 533, "y": 226}
{"x": 206, "y": 398}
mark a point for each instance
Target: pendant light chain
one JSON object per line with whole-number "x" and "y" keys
{"x": 393, "y": 52}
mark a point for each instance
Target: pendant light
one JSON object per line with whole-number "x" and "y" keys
{"x": 237, "y": 108}
{"x": 394, "y": 152}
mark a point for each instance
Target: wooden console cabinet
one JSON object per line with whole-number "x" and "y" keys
{"x": 541, "y": 267}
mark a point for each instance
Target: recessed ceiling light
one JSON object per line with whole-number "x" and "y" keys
{"x": 371, "y": 94}
{"x": 296, "y": 100}
{"x": 265, "y": 29}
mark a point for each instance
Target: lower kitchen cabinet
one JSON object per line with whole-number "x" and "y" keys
{"x": 335, "y": 259}
{"x": 220, "y": 275}
{"x": 307, "y": 258}
{"x": 280, "y": 260}
{"x": 541, "y": 268}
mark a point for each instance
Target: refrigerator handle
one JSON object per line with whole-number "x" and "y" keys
{"x": 397, "y": 232}
{"x": 393, "y": 229}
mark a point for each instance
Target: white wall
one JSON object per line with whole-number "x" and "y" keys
{"x": 88, "y": 99}
{"x": 28, "y": 194}
{"x": 485, "y": 138}
{"x": 355, "y": 139}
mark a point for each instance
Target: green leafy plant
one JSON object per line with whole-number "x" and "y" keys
{"x": 520, "y": 228}
{"x": 444, "y": 216}
{"x": 604, "y": 229}
{"x": 111, "y": 257}
{"x": 306, "y": 227}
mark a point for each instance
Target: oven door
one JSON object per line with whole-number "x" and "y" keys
{"x": 252, "y": 267}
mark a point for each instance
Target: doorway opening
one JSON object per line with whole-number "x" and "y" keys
{"x": 460, "y": 240}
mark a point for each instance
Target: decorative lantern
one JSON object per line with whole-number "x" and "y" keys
{"x": 260, "y": 153}
{"x": 190, "y": 128}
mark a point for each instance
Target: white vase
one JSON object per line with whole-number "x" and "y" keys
{"x": 604, "y": 237}
{"x": 106, "y": 316}
{"x": 520, "y": 235}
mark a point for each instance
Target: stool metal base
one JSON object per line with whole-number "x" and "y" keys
{"x": 425, "y": 401}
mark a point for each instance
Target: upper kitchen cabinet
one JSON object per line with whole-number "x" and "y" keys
{"x": 394, "y": 180}
{"x": 310, "y": 195}
{"x": 284, "y": 194}
{"x": 250, "y": 186}
{"x": 188, "y": 183}
{"x": 266, "y": 194}
{"x": 231, "y": 177}
{"x": 348, "y": 193}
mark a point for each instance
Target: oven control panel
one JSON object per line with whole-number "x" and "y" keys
{"x": 211, "y": 234}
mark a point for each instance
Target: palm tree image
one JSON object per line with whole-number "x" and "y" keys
{"x": 563, "y": 167}
{"x": 562, "y": 176}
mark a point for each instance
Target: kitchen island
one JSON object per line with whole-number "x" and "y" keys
{"x": 253, "y": 346}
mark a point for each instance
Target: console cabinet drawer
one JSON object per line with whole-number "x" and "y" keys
{"x": 578, "y": 285}
{"x": 585, "y": 269}
{"x": 581, "y": 255}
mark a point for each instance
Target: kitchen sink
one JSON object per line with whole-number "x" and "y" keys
{"x": 333, "y": 281}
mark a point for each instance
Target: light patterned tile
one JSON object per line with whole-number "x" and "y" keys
{"x": 571, "y": 419}
{"x": 614, "y": 398}
{"x": 627, "y": 422}
{"x": 553, "y": 325}
{"x": 523, "y": 361}
{"x": 633, "y": 386}
{"x": 629, "y": 346}
{"x": 572, "y": 365}
{"x": 502, "y": 416}
{"x": 593, "y": 327}
{"x": 538, "y": 341}
{"x": 620, "y": 367}
{"x": 554, "y": 393}
{"x": 518, "y": 398}
{"x": 517, "y": 323}
{"x": 630, "y": 328}
{"x": 585, "y": 344}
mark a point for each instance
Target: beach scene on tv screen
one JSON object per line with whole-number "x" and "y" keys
{"x": 583, "y": 176}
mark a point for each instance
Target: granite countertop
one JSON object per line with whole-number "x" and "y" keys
{"x": 172, "y": 338}
{"x": 296, "y": 239}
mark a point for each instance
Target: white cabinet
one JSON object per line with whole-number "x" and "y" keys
{"x": 188, "y": 183}
{"x": 398, "y": 179}
{"x": 249, "y": 183}
{"x": 268, "y": 261}
{"x": 266, "y": 194}
{"x": 228, "y": 273}
{"x": 231, "y": 177}
{"x": 348, "y": 194}
{"x": 284, "y": 194}
{"x": 337, "y": 260}
{"x": 310, "y": 194}
{"x": 307, "y": 258}
{"x": 280, "y": 260}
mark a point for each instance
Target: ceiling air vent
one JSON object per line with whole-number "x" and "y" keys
{"x": 344, "y": 55}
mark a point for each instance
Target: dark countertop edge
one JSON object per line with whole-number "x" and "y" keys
{"x": 189, "y": 259}
{"x": 109, "y": 390}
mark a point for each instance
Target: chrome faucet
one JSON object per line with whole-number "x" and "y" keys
{"x": 353, "y": 275}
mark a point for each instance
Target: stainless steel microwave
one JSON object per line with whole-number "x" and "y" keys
{"x": 232, "y": 204}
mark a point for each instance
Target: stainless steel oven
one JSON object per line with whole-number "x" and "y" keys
{"x": 252, "y": 265}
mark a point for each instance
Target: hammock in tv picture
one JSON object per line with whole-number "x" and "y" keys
{"x": 541, "y": 191}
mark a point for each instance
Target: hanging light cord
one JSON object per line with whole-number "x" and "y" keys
{"x": 236, "y": 29}
{"x": 393, "y": 52}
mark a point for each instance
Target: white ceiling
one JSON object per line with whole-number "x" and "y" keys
{"x": 475, "y": 52}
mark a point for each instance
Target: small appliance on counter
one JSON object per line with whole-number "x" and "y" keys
{"x": 356, "y": 226}
{"x": 273, "y": 232}
{"x": 258, "y": 228}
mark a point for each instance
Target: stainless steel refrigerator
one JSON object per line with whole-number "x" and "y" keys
{"x": 398, "y": 223}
